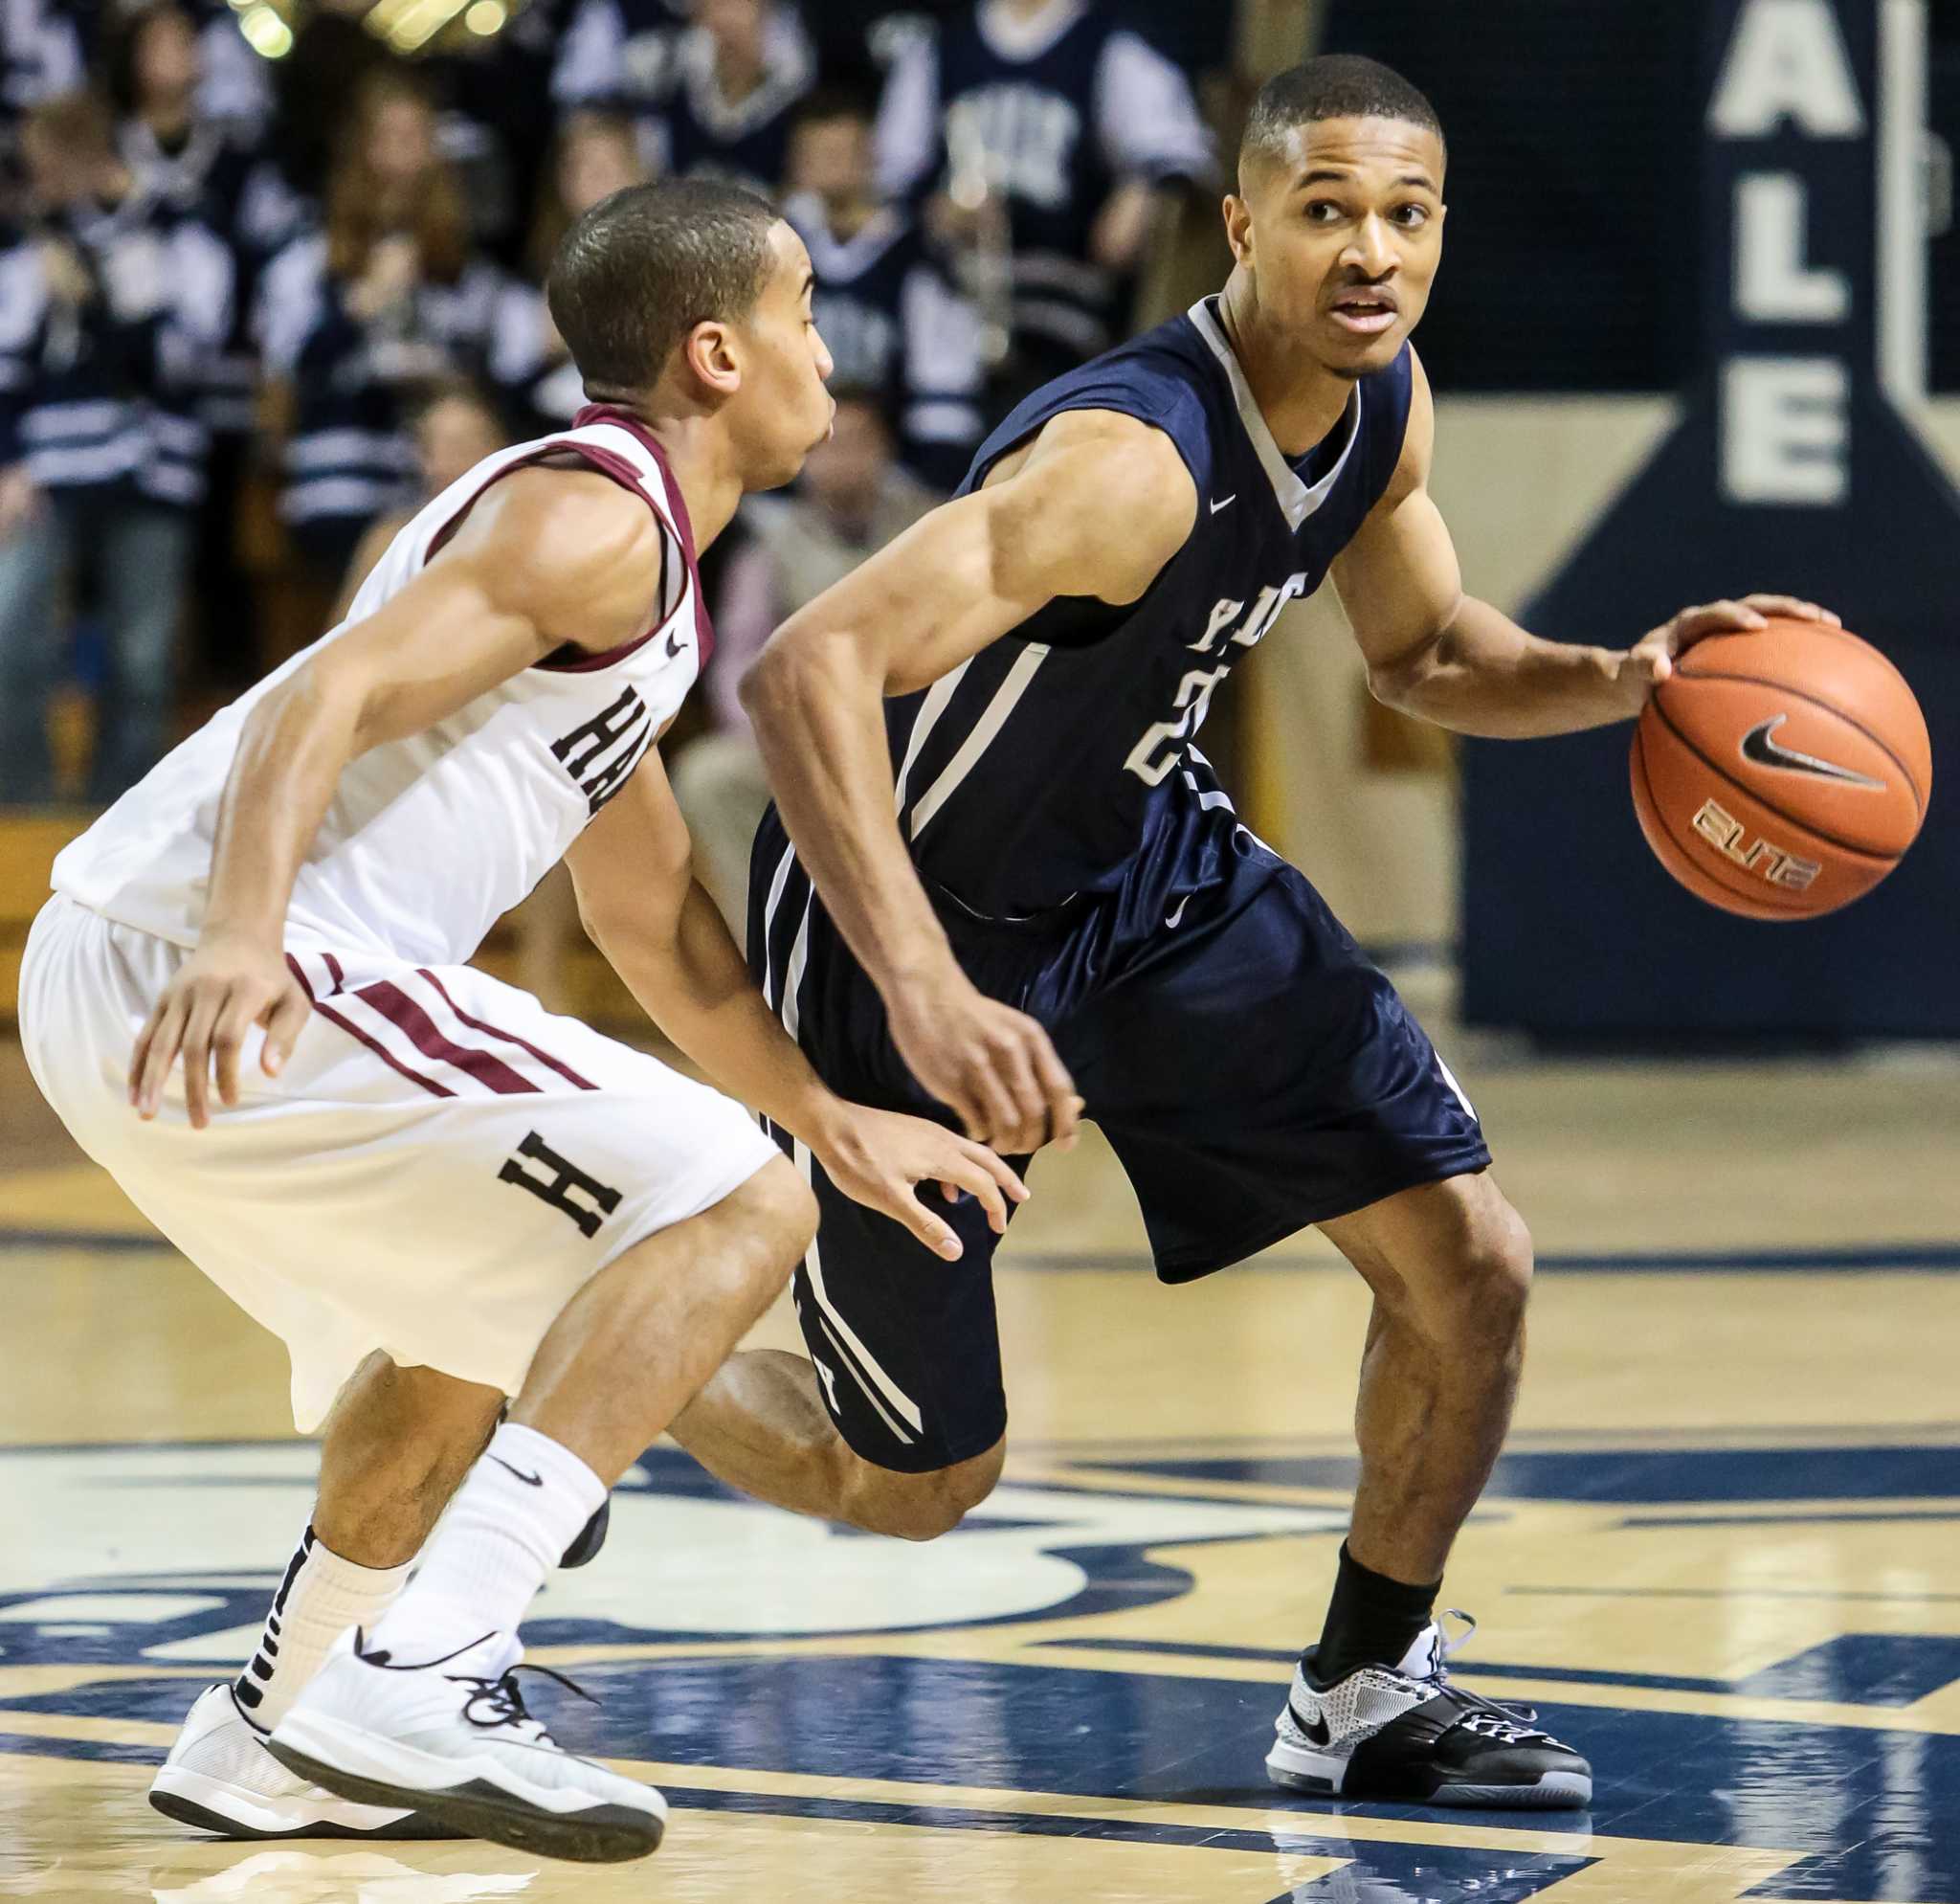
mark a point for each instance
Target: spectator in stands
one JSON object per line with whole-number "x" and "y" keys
{"x": 594, "y": 155}
{"x": 885, "y": 303}
{"x": 234, "y": 84}
{"x": 713, "y": 97}
{"x": 110, "y": 306}
{"x": 737, "y": 73}
{"x": 853, "y": 499}
{"x": 1077, "y": 125}
{"x": 494, "y": 92}
{"x": 40, "y": 56}
{"x": 318, "y": 85}
{"x": 388, "y": 297}
{"x": 618, "y": 53}
{"x": 203, "y": 165}
{"x": 454, "y": 426}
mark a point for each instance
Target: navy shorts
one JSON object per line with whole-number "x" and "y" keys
{"x": 1252, "y": 1070}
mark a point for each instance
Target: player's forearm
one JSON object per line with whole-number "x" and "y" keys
{"x": 292, "y": 751}
{"x": 818, "y": 714}
{"x": 1484, "y": 675}
{"x": 696, "y": 987}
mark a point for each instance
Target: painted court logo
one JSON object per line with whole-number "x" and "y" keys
{"x": 186, "y": 1580}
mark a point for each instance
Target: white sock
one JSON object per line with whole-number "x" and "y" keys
{"x": 321, "y": 1597}
{"x": 525, "y": 1501}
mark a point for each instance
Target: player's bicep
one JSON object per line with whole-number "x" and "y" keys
{"x": 1399, "y": 579}
{"x": 1400, "y": 582}
{"x": 430, "y": 650}
{"x": 545, "y": 559}
{"x": 632, "y": 865}
{"x": 1096, "y": 509}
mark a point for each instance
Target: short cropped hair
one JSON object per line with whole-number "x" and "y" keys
{"x": 644, "y": 266}
{"x": 1337, "y": 85}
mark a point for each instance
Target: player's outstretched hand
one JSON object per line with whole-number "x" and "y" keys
{"x": 1653, "y": 655}
{"x": 224, "y": 988}
{"x": 879, "y": 1157}
{"x": 993, "y": 1067}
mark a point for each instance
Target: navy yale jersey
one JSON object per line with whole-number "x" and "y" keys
{"x": 1046, "y": 765}
{"x": 1089, "y": 871}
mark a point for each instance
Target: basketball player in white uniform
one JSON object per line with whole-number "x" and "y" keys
{"x": 435, "y": 1193}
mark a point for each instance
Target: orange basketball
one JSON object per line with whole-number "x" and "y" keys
{"x": 1781, "y": 773}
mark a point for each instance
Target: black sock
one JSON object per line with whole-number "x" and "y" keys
{"x": 1372, "y": 1621}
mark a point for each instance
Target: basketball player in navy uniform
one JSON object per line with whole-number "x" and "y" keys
{"x": 1016, "y": 891}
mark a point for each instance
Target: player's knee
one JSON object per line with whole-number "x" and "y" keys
{"x": 1494, "y": 1275}
{"x": 776, "y": 1208}
{"x": 922, "y": 1507}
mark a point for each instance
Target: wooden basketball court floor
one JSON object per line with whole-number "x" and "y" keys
{"x": 1721, "y": 1554}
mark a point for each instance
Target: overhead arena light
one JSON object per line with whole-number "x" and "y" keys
{"x": 265, "y": 32}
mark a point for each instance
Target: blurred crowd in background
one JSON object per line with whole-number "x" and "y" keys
{"x": 270, "y": 278}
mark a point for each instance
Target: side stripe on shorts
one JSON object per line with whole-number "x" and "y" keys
{"x": 883, "y": 1394}
{"x": 413, "y": 1024}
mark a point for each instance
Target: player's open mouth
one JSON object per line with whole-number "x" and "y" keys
{"x": 1367, "y": 316}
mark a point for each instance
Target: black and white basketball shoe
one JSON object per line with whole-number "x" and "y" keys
{"x": 1406, "y": 1733}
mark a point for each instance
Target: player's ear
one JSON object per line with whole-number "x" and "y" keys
{"x": 709, "y": 351}
{"x": 1238, "y": 227}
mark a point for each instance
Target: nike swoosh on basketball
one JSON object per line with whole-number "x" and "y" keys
{"x": 1226, "y": 503}
{"x": 529, "y": 1480}
{"x": 1759, "y": 745}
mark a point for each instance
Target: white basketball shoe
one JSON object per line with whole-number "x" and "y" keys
{"x": 220, "y": 1777}
{"x": 450, "y": 1737}
{"x": 1406, "y": 1733}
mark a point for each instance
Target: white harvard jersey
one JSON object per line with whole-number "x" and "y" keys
{"x": 428, "y": 840}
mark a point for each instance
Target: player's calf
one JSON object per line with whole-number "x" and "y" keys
{"x": 760, "y": 1425}
{"x": 918, "y": 1507}
{"x": 423, "y": 1712}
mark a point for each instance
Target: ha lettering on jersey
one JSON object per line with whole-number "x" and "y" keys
{"x": 601, "y": 753}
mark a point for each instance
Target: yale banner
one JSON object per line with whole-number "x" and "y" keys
{"x": 1799, "y": 467}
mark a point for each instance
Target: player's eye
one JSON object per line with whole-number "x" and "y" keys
{"x": 1323, "y": 210}
{"x": 1412, "y": 216}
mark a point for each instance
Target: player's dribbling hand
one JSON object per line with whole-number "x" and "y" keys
{"x": 993, "y": 1067}
{"x": 224, "y": 988}
{"x": 1651, "y": 658}
{"x": 879, "y": 1158}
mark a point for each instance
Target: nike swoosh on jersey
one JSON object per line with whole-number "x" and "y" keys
{"x": 1226, "y": 503}
{"x": 1173, "y": 919}
{"x": 675, "y": 644}
{"x": 1759, "y": 745}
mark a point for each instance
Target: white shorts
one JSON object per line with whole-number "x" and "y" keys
{"x": 440, "y": 1167}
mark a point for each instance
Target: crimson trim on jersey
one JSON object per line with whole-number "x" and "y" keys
{"x": 403, "y": 1012}
{"x": 683, "y": 523}
{"x": 608, "y": 413}
{"x": 355, "y": 1032}
{"x": 623, "y": 472}
{"x": 564, "y": 1071}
